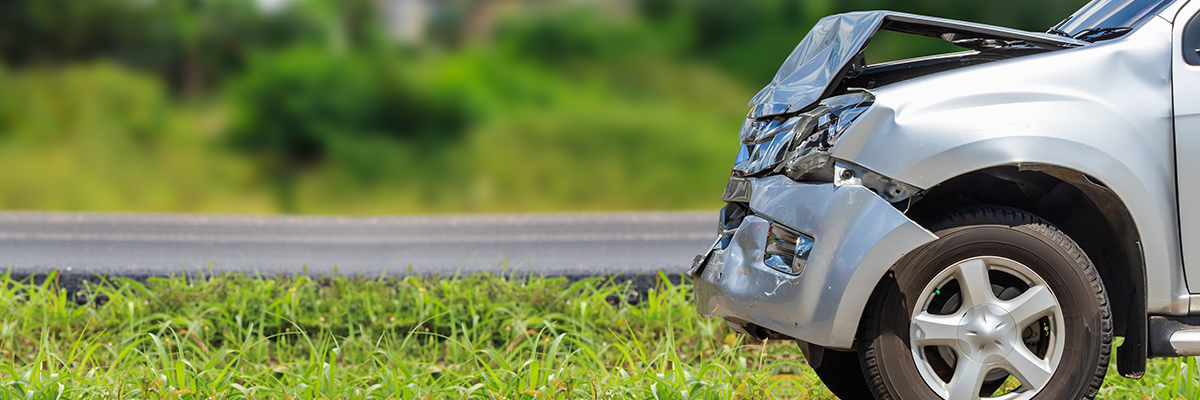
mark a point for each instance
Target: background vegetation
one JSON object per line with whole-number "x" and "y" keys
{"x": 348, "y": 106}
{"x": 481, "y": 337}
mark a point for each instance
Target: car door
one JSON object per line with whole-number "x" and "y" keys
{"x": 1185, "y": 71}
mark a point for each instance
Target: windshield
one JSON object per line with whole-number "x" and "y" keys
{"x": 1110, "y": 14}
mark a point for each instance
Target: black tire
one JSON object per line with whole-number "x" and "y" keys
{"x": 885, "y": 349}
{"x": 839, "y": 371}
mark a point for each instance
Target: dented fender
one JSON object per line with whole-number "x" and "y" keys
{"x": 1104, "y": 109}
{"x": 858, "y": 237}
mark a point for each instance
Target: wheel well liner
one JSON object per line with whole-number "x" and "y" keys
{"x": 1082, "y": 207}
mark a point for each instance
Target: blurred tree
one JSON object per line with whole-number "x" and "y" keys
{"x": 292, "y": 107}
{"x": 347, "y": 24}
{"x": 191, "y": 43}
{"x": 92, "y": 103}
{"x": 67, "y": 30}
{"x": 208, "y": 40}
{"x": 541, "y": 104}
{"x": 574, "y": 35}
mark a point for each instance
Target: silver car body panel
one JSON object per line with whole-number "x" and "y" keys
{"x": 858, "y": 236}
{"x": 1186, "y": 79}
{"x": 1172, "y": 11}
{"x": 822, "y": 56}
{"x": 1103, "y": 109}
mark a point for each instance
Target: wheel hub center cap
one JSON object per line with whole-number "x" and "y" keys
{"x": 987, "y": 333}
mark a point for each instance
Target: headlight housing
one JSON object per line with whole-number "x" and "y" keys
{"x": 799, "y": 145}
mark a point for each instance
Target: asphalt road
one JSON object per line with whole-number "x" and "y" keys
{"x": 143, "y": 245}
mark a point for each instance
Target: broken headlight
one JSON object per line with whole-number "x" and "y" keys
{"x": 799, "y": 145}
{"x": 809, "y": 159}
{"x": 764, "y": 143}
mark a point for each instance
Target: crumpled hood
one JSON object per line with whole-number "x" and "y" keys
{"x": 828, "y": 51}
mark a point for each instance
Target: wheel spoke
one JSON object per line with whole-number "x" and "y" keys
{"x": 985, "y": 332}
{"x": 1035, "y": 303}
{"x": 974, "y": 283}
{"x": 967, "y": 380}
{"x": 1032, "y": 371}
{"x": 935, "y": 330}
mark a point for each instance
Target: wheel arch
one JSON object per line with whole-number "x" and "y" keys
{"x": 1086, "y": 210}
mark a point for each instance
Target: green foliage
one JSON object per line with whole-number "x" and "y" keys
{"x": 98, "y": 137}
{"x": 63, "y": 29}
{"x": 294, "y": 105}
{"x": 574, "y": 35}
{"x": 194, "y": 44}
{"x": 298, "y": 108}
{"x": 749, "y": 40}
{"x": 479, "y": 337}
{"x": 531, "y": 105}
{"x": 75, "y": 104}
{"x": 661, "y": 155}
{"x": 201, "y": 43}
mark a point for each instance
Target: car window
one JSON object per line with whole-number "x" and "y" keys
{"x": 1111, "y": 14}
{"x": 1191, "y": 41}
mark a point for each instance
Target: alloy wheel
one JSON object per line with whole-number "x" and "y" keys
{"x": 983, "y": 324}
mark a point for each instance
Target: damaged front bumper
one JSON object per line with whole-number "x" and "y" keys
{"x": 857, "y": 237}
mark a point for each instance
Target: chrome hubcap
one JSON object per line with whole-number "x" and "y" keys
{"x": 987, "y": 322}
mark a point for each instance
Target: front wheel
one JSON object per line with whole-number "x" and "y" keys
{"x": 1001, "y": 305}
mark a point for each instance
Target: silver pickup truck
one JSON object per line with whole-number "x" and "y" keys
{"x": 975, "y": 224}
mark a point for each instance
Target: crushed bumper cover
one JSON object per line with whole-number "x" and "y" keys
{"x": 858, "y": 237}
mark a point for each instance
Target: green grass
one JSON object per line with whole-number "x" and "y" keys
{"x": 414, "y": 338}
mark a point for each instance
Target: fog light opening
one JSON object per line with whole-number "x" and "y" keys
{"x": 787, "y": 250}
